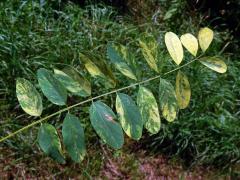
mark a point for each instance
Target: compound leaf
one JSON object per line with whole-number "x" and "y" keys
{"x": 149, "y": 110}
{"x": 50, "y": 143}
{"x": 183, "y": 90}
{"x": 118, "y": 60}
{"x": 129, "y": 115}
{"x": 51, "y": 87}
{"x": 174, "y": 47}
{"x": 149, "y": 48}
{"x": 103, "y": 121}
{"x": 28, "y": 97}
{"x": 205, "y": 37}
{"x": 73, "y": 81}
{"x": 168, "y": 101}
{"x": 73, "y": 138}
{"x": 190, "y": 43}
{"x": 214, "y": 63}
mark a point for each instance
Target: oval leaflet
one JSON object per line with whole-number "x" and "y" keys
{"x": 73, "y": 138}
{"x": 149, "y": 110}
{"x": 103, "y": 121}
{"x": 214, "y": 63}
{"x": 50, "y": 143}
{"x": 190, "y": 43}
{"x": 167, "y": 100}
{"x": 129, "y": 116}
{"x": 205, "y": 37}
{"x": 183, "y": 90}
{"x": 174, "y": 47}
{"x": 51, "y": 87}
{"x": 28, "y": 97}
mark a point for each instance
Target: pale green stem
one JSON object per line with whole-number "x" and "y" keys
{"x": 91, "y": 99}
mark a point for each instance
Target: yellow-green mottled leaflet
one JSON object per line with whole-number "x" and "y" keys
{"x": 149, "y": 48}
{"x": 118, "y": 60}
{"x": 73, "y": 81}
{"x": 214, "y": 63}
{"x": 129, "y": 116}
{"x": 73, "y": 138}
{"x": 28, "y": 97}
{"x": 103, "y": 121}
{"x": 51, "y": 87}
{"x": 183, "y": 90}
{"x": 167, "y": 100}
{"x": 149, "y": 110}
{"x": 50, "y": 143}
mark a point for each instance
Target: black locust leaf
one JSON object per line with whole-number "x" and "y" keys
{"x": 129, "y": 115}
{"x": 73, "y": 82}
{"x": 51, "y": 87}
{"x": 167, "y": 100}
{"x": 73, "y": 138}
{"x": 103, "y": 121}
{"x": 149, "y": 110}
{"x": 28, "y": 97}
{"x": 115, "y": 56}
{"x": 50, "y": 143}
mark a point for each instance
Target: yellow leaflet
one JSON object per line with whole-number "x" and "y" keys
{"x": 205, "y": 37}
{"x": 174, "y": 47}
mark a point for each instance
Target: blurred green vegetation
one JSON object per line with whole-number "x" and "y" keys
{"x": 34, "y": 35}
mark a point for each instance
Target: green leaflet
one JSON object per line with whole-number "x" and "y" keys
{"x": 167, "y": 100}
{"x": 117, "y": 58}
{"x": 28, "y": 97}
{"x": 73, "y": 138}
{"x": 50, "y": 143}
{"x": 51, "y": 87}
{"x": 73, "y": 81}
{"x": 102, "y": 119}
{"x": 205, "y": 37}
{"x": 149, "y": 110}
{"x": 190, "y": 43}
{"x": 214, "y": 63}
{"x": 174, "y": 47}
{"x": 129, "y": 115}
{"x": 149, "y": 48}
{"x": 100, "y": 70}
{"x": 183, "y": 90}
